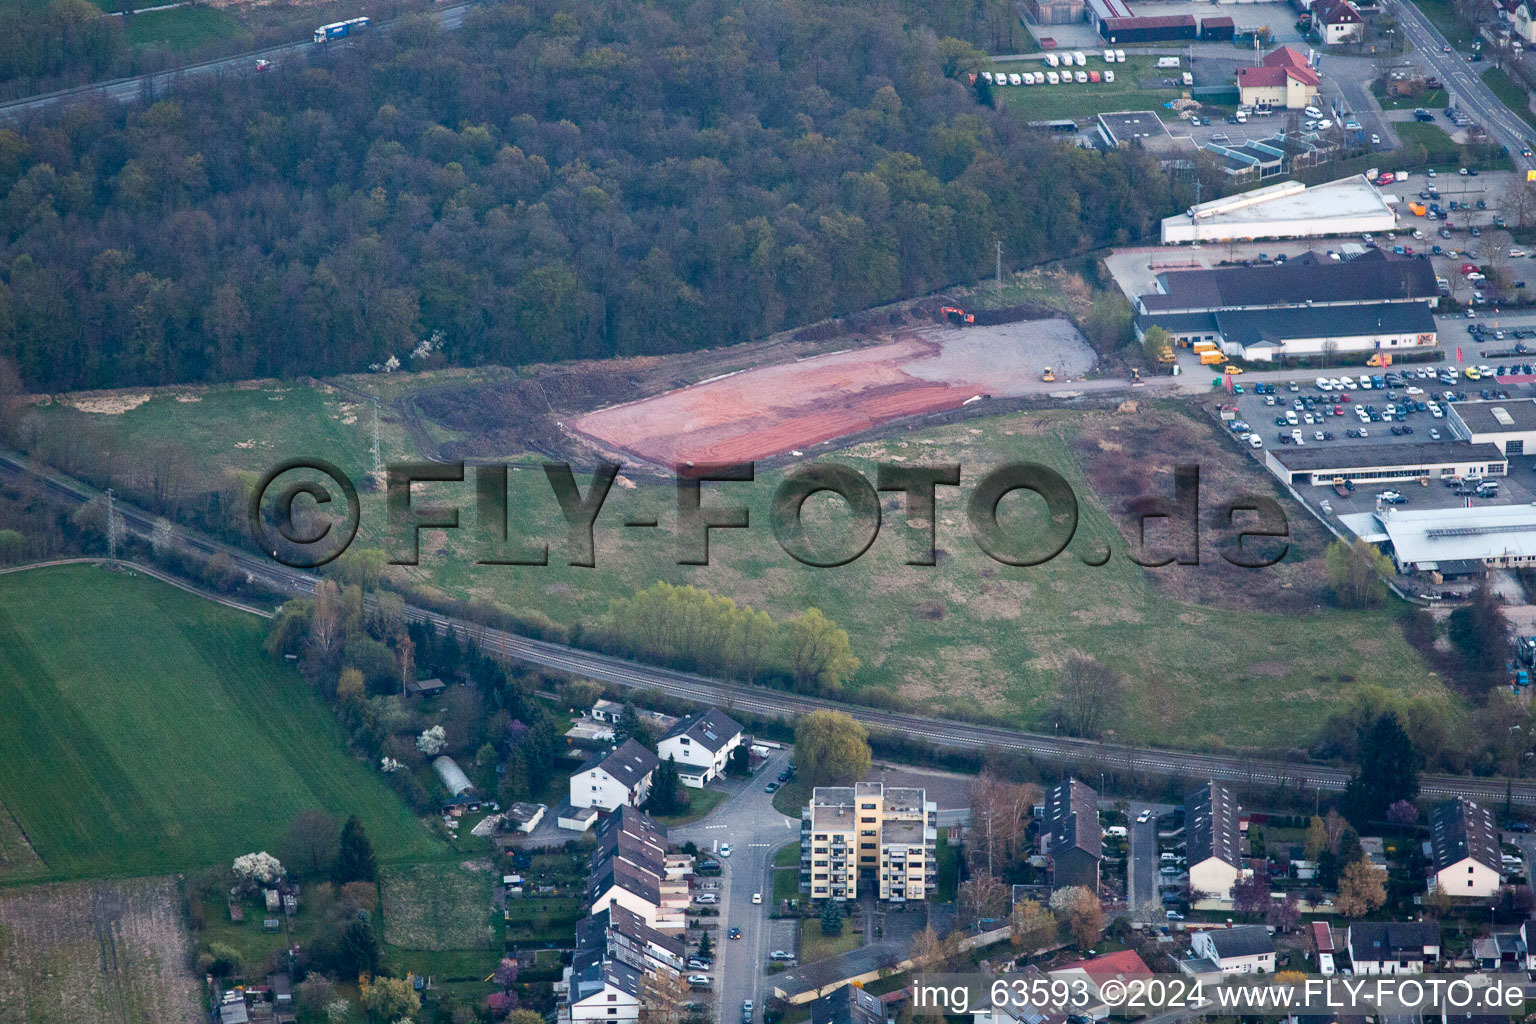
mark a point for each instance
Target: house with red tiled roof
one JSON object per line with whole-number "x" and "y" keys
{"x": 1338, "y": 21}
{"x": 1284, "y": 79}
{"x": 1119, "y": 967}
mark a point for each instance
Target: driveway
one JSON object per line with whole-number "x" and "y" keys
{"x": 748, "y": 821}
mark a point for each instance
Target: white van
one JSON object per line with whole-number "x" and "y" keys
{"x": 1051, "y": 60}
{"x": 1029, "y": 78}
{"x": 1109, "y": 76}
{"x": 1079, "y": 59}
{"x": 1082, "y": 78}
{"x": 986, "y": 76}
{"x": 1052, "y": 78}
{"x": 1015, "y": 79}
{"x": 1109, "y": 56}
{"x": 1120, "y": 56}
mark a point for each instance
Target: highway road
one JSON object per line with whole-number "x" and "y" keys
{"x": 1464, "y": 81}
{"x": 123, "y": 90}
{"x": 1059, "y": 750}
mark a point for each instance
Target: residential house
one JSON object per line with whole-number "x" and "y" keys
{"x": 620, "y": 934}
{"x": 701, "y": 745}
{"x": 1021, "y": 1006}
{"x": 1245, "y": 949}
{"x": 1338, "y": 21}
{"x": 848, "y": 1005}
{"x": 1283, "y": 79}
{"x": 602, "y": 990}
{"x": 1528, "y": 936}
{"x": 1465, "y": 859}
{"x": 620, "y": 778}
{"x": 1392, "y": 947}
{"x": 607, "y": 711}
{"x": 1073, "y": 839}
{"x": 1213, "y": 840}
{"x": 1117, "y": 967}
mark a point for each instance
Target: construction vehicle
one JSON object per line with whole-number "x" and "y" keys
{"x": 1165, "y": 355}
{"x": 1048, "y": 377}
{"x": 956, "y": 315}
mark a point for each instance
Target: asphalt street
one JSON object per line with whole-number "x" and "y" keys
{"x": 1141, "y": 863}
{"x": 1464, "y": 80}
{"x": 129, "y": 89}
{"x": 748, "y": 821}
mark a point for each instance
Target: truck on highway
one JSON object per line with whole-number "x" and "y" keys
{"x": 340, "y": 29}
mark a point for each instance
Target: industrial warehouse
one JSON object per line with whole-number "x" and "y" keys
{"x": 1369, "y": 464}
{"x": 1507, "y": 425}
{"x": 1349, "y": 206}
{"x": 1451, "y": 541}
{"x": 1307, "y": 306}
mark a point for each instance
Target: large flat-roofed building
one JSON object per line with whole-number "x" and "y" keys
{"x": 1132, "y": 127}
{"x": 1426, "y": 540}
{"x": 1383, "y": 463}
{"x": 1508, "y": 424}
{"x": 1159, "y": 28}
{"x": 888, "y": 835}
{"x": 1305, "y": 307}
{"x": 1273, "y": 335}
{"x": 1288, "y": 209}
{"x": 1307, "y": 280}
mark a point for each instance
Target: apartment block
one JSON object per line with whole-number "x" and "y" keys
{"x": 869, "y": 835}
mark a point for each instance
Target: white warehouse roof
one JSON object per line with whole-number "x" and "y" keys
{"x": 1452, "y": 534}
{"x": 1287, "y": 210}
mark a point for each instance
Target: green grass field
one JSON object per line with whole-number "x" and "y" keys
{"x": 1055, "y": 102}
{"x": 145, "y": 731}
{"x": 1443, "y": 153}
{"x": 1440, "y": 12}
{"x": 967, "y": 635}
{"x": 183, "y": 29}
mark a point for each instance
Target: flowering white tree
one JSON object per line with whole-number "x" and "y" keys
{"x": 389, "y": 764}
{"x": 432, "y": 741}
{"x": 258, "y": 867}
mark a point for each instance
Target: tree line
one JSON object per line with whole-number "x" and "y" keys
{"x": 552, "y": 181}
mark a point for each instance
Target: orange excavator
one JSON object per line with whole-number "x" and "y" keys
{"x": 958, "y": 316}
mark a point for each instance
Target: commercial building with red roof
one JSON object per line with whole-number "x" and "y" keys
{"x": 1284, "y": 79}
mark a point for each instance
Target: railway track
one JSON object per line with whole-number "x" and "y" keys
{"x": 759, "y": 700}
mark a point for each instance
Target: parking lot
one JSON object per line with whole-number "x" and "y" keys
{"x": 1333, "y": 415}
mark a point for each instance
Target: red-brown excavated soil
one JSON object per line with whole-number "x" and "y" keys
{"x": 771, "y": 410}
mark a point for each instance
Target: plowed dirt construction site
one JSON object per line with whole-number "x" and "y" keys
{"x": 778, "y": 409}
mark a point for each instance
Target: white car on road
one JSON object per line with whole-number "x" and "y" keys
{"x": 725, "y": 849}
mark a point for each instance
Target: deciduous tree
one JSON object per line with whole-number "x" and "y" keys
{"x": 831, "y": 749}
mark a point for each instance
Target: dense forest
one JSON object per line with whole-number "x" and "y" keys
{"x": 555, "y": 180}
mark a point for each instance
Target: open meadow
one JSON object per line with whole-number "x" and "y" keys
{"x": 1214, "y": 656}
{"x": 171, "y": 740}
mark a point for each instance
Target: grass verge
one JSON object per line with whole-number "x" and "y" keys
{"x": 1510, "y": 93}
